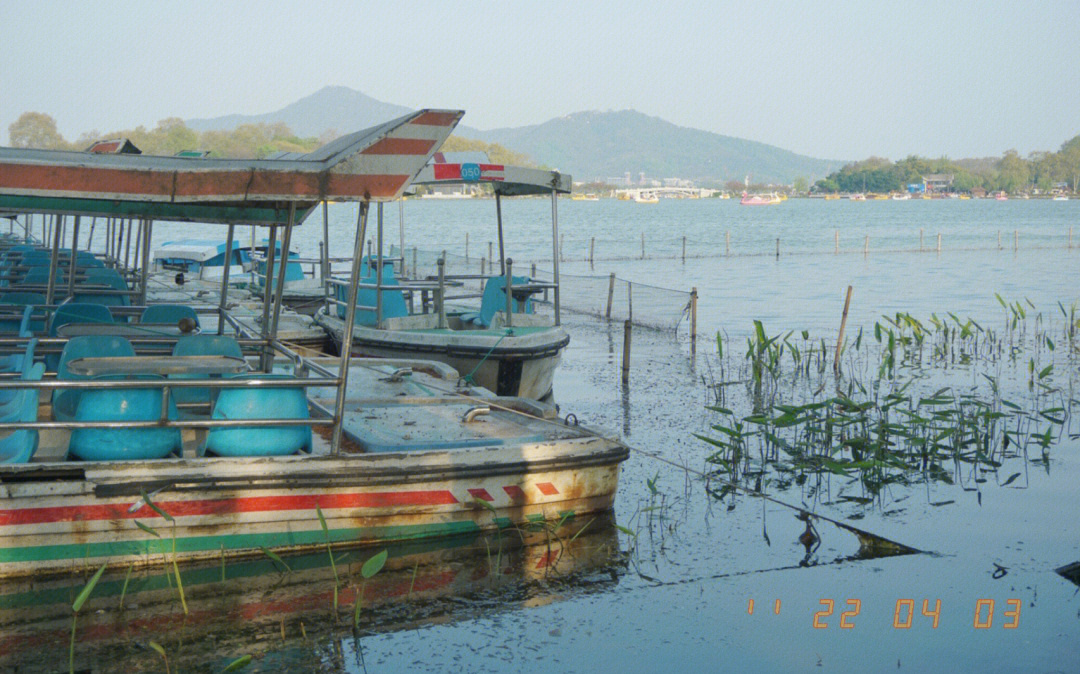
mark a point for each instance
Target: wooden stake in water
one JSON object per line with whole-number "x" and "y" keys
{"x": 836, "y": 242}
{"x": 483, "y": 266}
{"x": 610, "y": 295}
{"x": 1070, "y": 238}
{"x": 840, "y": 337}
{"x": 727, "y": 243}
{"x": 684, "y": 249}
{"x": 491, "y": 254}
{"x": 630, "y": 300}
{"x": 466, "y": 246}
{"x": 939, "y": 242}
{"x": 643, "y": 245}
{"x": 626, "y": 353}
{"x": 592, "y": 248}
{"x": 920, "y": 239}
{"x": 1016, "y": 240}
{"x": 778, "y": 248}
{"x": 999, "y": 239}
{"x": 693, "y": 320}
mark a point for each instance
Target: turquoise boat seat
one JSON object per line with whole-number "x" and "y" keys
{"x": 393, "y": 300}
{"x": 201, "y": 345}
{"x": 494, "y": 299}
{"x": 260, "y": 403}
{"x": 168, "y": 313}
{"x": 65, "y": 402}
{"x": 123, "y": 405}
{"x": 17, "y": 362}
{"x": 19, "y": 447}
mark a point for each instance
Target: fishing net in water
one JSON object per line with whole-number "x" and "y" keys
{"x": 605, "y": 297}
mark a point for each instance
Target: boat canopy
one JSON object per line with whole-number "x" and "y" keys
{"x": 198, "y": 250}
{"x": 375, "y": 164}
{"x": 462, "y": 168}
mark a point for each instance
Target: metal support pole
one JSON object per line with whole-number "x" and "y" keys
{"x": 502, "y": 242}
{"x": 508, "y": 291}
{"x": 90, "y": 239}
{"x": 138, "y": 243}
{"x": 626, "y": 353}
{"x": 148, "y": 232}
{"x": 225, "y": 279}
{"x": 441, "y": 306}
{"x": 268, "y": 295}
{"x": 347, "y": 330}
{"x": 280, "y": 292}
{"x": 401, "y": 233}
{"x": 50, "y": 291}
{"x": 324, "y": 251}
{"x": 378, "y": 264}
{"x": 555, "y": 243}
{"x": 71, "y": 263}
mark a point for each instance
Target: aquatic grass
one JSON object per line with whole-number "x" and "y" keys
{"x": 160, "y": 651}
{"x": 368, "y": 570}
{"x": 330, "y": 552}
{"x": 237, "y": 664}
{"x": 168, "y": 518}
{"x": 76, "y": 606}
{"x": 880, "y": 426}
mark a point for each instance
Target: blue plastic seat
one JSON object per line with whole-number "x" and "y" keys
{"x": 65, "y": 402}
{"x": 168, "y": 313}
{"x": 393, "y": 300}
{"x": 37, "y": 321}
{"x": 494, "y": 299}
{"x": 110, "y": 278}
{"x": 123, "y": 405}
{"x": 79, "y": 312}
{"x": 17, "y": 362}
{"x": 201, "y": 345}
{"x": 260, "y": 403}
{"x": 19, "y": 447}
{"x": 14, "y": 409}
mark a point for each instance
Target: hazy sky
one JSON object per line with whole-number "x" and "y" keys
{"x": 829, "y": 79}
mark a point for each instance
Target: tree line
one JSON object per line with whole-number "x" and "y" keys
{"x": 247, "y": 141}
{"x": 1011, "y": 173}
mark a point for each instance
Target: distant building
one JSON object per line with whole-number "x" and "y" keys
{"x": 938, "y": 182}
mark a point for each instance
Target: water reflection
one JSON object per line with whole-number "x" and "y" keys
{"x": 287, "y": 619}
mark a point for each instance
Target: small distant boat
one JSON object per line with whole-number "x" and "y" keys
{"x": 832, "y": 197}
{"x": 642, "y": 199}
{"x": 759, "y": 199}
{"x": 1001, "y": 196}
{"x": 858, "y": 196}
{"x": 901, "y": 197}
{"x": 1060, "y": 197}
{"x": 584, "y": 197}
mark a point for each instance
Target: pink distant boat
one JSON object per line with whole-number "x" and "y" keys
{"x": 759, "y": 199}
{"x": 1001, "y": 196}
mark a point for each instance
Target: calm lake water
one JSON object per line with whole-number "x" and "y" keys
{"x": 670, "y": 587}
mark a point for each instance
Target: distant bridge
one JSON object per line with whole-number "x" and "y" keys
{"x": 637, "y": 193}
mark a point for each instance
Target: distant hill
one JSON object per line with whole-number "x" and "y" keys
{"x": 587, "y": 145}
{"x": 331, "y": 108}
{"x": 592, "y": 145}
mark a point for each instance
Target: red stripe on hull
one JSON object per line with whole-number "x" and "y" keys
{"x": 410, "y": 146}
{"x": 81, "y": 179}
{"x": 515, "y": 493}
{"x": 226, "y": 506}
{"x": 181, "y": 186}
{"x": 481, "y": 494}
{"x": 546, "y": 488}
{"x": 436, "y": 119}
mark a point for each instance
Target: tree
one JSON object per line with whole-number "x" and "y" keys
{"x": 801, "y": 185}
{"x": 36, "y": 130}
{"x": 1070, "y": 161}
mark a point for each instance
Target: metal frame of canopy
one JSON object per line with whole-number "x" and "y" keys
{"x": 375, "y": 164}
{"x": 505, "y": 180}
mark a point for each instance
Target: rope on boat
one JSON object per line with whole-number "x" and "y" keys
{"x": 468, "y": 379}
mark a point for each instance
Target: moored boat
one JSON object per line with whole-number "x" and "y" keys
{"x": 159, "y": 438}
{"x": 502, "y": 344}
{"x": 760, "y": 199}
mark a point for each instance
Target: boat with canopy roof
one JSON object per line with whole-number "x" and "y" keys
{"x": 502, "y": 343}
{"x": 134, "y": 433}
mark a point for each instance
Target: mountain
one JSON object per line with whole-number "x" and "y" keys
{"x": 587, "y": 145}
{"x": 331, "y": 108}
{"x": 591, "y": 145}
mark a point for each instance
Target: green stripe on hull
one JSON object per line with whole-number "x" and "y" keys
{"x": 284, "y": 539}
